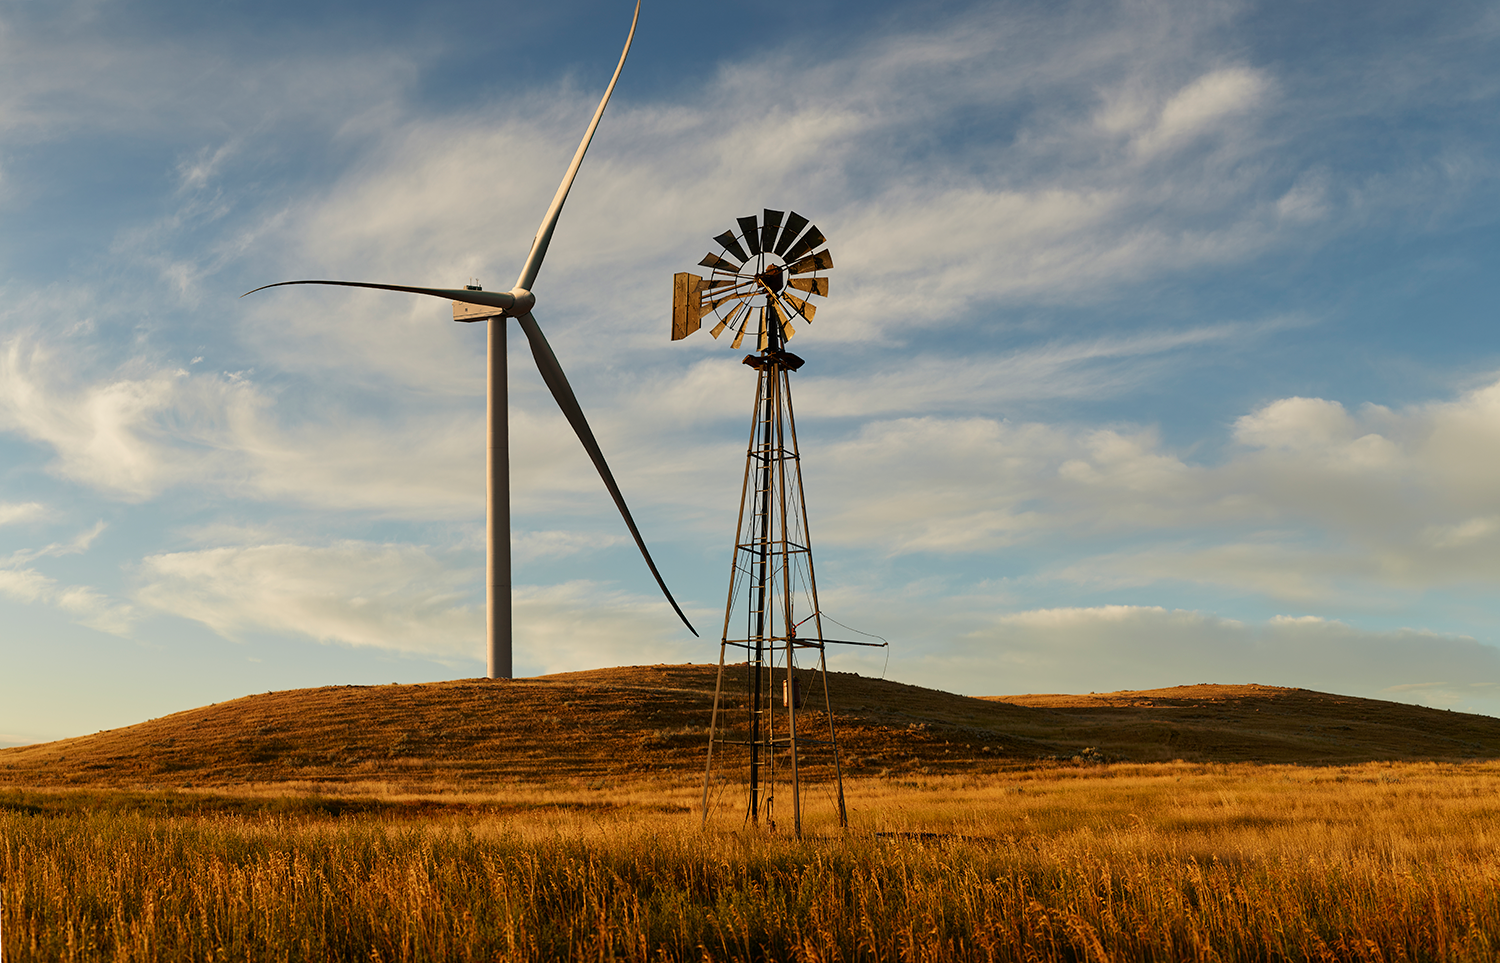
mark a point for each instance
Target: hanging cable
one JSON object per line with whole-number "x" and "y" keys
{"x": 883, "y": 669}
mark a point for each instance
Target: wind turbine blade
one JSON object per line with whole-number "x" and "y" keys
{"x": 490, "y": 299}
{"x": 543, "y": 238}
{"x": 557, "y": 382}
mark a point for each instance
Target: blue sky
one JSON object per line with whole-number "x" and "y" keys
{"x": 1161, "y": 347}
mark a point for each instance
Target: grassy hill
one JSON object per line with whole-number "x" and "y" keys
{"x": 604, "y": 724}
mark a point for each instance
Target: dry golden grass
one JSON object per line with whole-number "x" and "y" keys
{"x": 1092, "y": 862}
{"x": 613, "y": 724}
{"x": 554, "y": 819}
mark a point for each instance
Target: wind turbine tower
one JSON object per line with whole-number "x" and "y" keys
{"x": 473, "y": 304}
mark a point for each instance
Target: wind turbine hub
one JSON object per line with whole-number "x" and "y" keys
{"x": 524, "y": 302}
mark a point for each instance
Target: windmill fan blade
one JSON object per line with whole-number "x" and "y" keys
{"x": 557, "y": 382}
{"x": 801, "y": 306}
{"x": 772, "y": 221}
{"x": 712, "y": 299}
{"x": 490, "y": 299}
{"x": 794, "y": 224}
{"x": 786, "y": 324}
{"x": 751, "y": 231}
{"x": 543, "y": 237}
{"x": 724, "y": 298}
{"x": 810, "y": 240}
{"x": 734, "y": 315}
{"x": 719, "y": 264}
{"x": 730, "y": 243}
{"x": 821, "y": 261}
{"x": 817, "y": 286}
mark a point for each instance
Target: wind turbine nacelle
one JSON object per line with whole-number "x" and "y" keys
{"x": 486, "y": 305}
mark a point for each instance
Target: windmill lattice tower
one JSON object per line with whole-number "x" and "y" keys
{"x": 772, "y": 611}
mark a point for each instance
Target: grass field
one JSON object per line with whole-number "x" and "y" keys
{"x": 628, "y": 723}
{"x": 1160, "y": 861}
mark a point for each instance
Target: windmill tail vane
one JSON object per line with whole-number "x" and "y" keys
{"x": 473, "y": 304}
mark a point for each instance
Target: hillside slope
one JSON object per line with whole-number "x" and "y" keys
{"x": 597, "y": 725}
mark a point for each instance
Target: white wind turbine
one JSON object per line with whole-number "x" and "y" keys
{"x": 473, "y": 304}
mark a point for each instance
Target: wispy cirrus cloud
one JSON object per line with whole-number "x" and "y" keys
{"x": 1059, "y": 210}
{"x": 13, "y": 513}
{"x": 1309, "y": 501}
{"x": 80, "y": 603}
{"x": 397, "y": 597}
{"x": 142, "y": 430}
{"x": 402, "y": 598}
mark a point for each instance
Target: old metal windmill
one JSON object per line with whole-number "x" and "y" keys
{"x": 474, "y": 304}
{"x": 772, "y": 612}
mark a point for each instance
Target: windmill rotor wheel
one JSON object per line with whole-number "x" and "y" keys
{"x": 761, "y": 280}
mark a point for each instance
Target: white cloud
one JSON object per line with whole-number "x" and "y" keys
{"x": 583, "y": 625}
{"x": 25, "y": 584}
{"x": 976, "y": 484}
{"x": 718, "y": 390}
{"x": 107, "y": 432}
{"x": 1203, "y": 104}
{"x": 1315, "y": 502}
{"x": 403, "y": 598}
{"x": 78, "y": 545}
{"x": 97, "y": 610}
{"x": 1046, "y": 214}
{"x": 965, "y": 169}
{"x": 12, "y": 513}
{"x": 1116, "y": 647}
{"x": 83, "y": 604}
{"x": 398, "y": 597}
{"x": 527, "y": 546}
{"x": 137, "y": 434}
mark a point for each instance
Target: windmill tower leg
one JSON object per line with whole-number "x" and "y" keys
{"x": 760, "y": 547}
{"x": 782, "y": 399}
{"x": 817, "y": 607}
{"x": 772, "y": 576}
{"x": 497, "y": 507}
